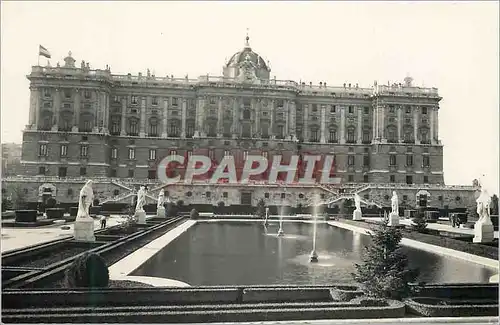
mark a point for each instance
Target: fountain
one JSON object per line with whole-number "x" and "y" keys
{"x": 313, "y": 257}
{"x": 280, "y": 231}
{"x": 266, "y": 222}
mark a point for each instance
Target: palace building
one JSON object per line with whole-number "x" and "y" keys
{"x": 90, "y": 123}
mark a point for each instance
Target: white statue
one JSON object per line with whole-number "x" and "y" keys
{"x": 141, "y": 199}
{"x": 483, "y": 207}
{"x": 161, "y": 199}
{"x": 395, "y": 203}
{"x": 357, "y": 202}
{"x": 85, "y": 200}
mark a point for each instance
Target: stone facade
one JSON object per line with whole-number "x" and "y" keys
{"x": 92, "y": 123}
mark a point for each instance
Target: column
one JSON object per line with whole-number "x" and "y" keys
{"x": 342, "y": 124}
{"x": 220, "y": 119}
{"x": 360, "y": 125}
{"x": 37, "y": 108}
{"x": 374, "y": 123}
{"x": 431, "y": 121}
{"x": 124, "y": 116}
{"x": 33, "y": 99}
{"x": 76, "y": 114}
{"x": 415, "y": 124}
{"x": 323, "y": 124}
{"x": 236, "y": 118}
{"x": 436, "y": 124}
{"x": 271, "y": 108}
{"x": 200, "y": 108}
{"x": 293, "y": 118}
{"x": 256, "y": 104}
{"x": 305, "y": 130}
{"x": 142, "y": 129}
{"x": 381, "y": 125}
{"x": 56, "y": 108}
{"x": 287, "y": 119}
{"x": 105, "y": 111}
{"x": 97, "y": 112}
{"x": 400, "y": 122}
{"x": 164, "y": 121}
{"x": 183, "y": 117}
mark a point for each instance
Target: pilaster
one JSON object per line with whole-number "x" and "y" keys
{"x": 360, "y": 125}
{"x": 415, "y": 124}
{"x": 123, "y": 117}
{"x": 56, "y": 108}
{"x": 400, "y": 122}
{"x": 323, "y": 124}
{"x": 183, "y": 117}
{"x": 220, "y": 118}
{"x": 142, "y": 129}
{"x": 164, "y": 122}
{"x": 342, "y": 125}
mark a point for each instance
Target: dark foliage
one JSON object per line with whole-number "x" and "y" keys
{"x": 194, "y": 214}
{"x": 419, "y": 222}
{"x": 494, "y": 205}
{"x": 87, "y": 271}
{"x": 51, "y": 203}
{"x": 384, "y": 272}
{"x": 261, "y": 209}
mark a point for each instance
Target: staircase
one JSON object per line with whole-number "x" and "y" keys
{"x": 118, "y": 198}
{"x": 360, "y": 189}
{"x": 114, "y": 182}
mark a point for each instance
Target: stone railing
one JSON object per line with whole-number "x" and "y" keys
{"x": 403, "y": 90}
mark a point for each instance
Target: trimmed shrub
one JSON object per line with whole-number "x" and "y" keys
{"x": 420, "y": 224}
{"x": 26, "y": 215}
{"x": 51, "y": 203}
{"x": 87, "y": 271}
{"x": 194, "y": 214}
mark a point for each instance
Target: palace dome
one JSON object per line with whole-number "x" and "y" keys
{"x": 240, "y": 57}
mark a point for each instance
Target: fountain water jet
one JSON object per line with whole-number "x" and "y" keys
{"x": 313, "y": 257}
{"x": 280, "y": 231}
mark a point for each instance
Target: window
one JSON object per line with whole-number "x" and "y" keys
{"x": 133, "y": 126}
{"x": 112, "y": 173}
{"x": 409, "y": 179}
{"x": 189, "y": 154}
{"x": 280, "y": 103}
{"x": 153, "y": 130}
{"x": 87, "y": 94}
{"x": 424, "y": 110}
{"x": 409, "y": 149}
{"x": 266, "y": 195}
{"x": 246, "y": 114}
{"x": 314, "y": 136}
{"x": 46, "y": 92}
{"x": 224, "y": 195}
{"x": 392, "y": 160}
{"x": 151, "y": 174}
{"x": 281, "y": 132}
{"x": 189, "y": 194}
{"x": 64, "y": 150}
{"x": 245, "y": 155}
{"x": 83, "y": 171}
{"x": 130, "y": 173}
{"x": 87, "y": 126}
{"x": 350, "y": 136}
{"x": 392, "y": 109}
{"x": 67, "y": 93}
{"x": 70, "y": 192}
{"x": 333, "y": 136}
{"x": 424, "y": 137}
{"x": 154, "y": 101}
{"x": 174, "y": 153}
{"x": 366, "y": 110}
{"x": 392, "y": 178}
{"x": 47, "y": 105}
{"x": 152, "y": 154}
{"x": 391, "y": 135}
{"x": 366, "y": 161}
{"x": 351, "y": 110}
{"x": 408, "y": 137}
{"x": 283, "y": 195}
{"x": 43, "y": 150}
{"x": 115, "y": 128}
{"x": 114, "y": 153}
{"x": 365, "y": 178}
{"x": 366, "y": 136}
{"x": 131, "y": 153}
{"x": 134, "y": 100}
{"x": 211, "y": 154}
{"x": 208, "y": 195}
{"x": 116, "y": 192}
{"x": 84, "y": 150}
{"x": 212, "y": 100}
{"x": 408, "y": 109}
{"x": 425, "y": 161}
{"x": 264, "y": 154}
{"x": 333, "y": 109}
{"x": 174, "y": 130}
{"x": 409, "y": 160}
{"x": 426, "y": 179}
{"x": 62, "y": 171}
{"x": 350, "y": 178}
{"x": 41, "y": 170}
{"x": 189, "y": 129}
{"x": 175, "y": 101}
{"x": 226, "y": 153}
{"x": 314, "y": 108}
{"x": 116, "y": 99}
{"x": 350, "y": 160}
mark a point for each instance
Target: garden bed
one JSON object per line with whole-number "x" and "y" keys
{"x": 439, "y": 240}
{"x": 38, "y": 223}
{"x": 55, "y": 256}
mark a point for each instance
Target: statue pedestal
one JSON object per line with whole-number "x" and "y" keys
{"x": 393, "y": 220}
{"x": 356, "y": 215}
{"x": 483, "y": 232}
{"x": 141, "y": 217}
{"x": 84, "y": 229}
{"x": 160, "y": 213}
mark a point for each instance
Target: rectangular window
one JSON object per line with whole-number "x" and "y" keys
{"x": 116, "y": 99}
{"x": 366, "y": 161}
{"x": 392, "y": 178}
{"x": 46, "y": 92}
{"x": 152, "y": 154}
{"x": 112, "y": 173}
{"x": 409, "y": 179}
{"x": 153, "y": 130}
{"x": 152, "y": 174}
{"x": 426, "y": 179}
{"x": 350, "y": 160}
{"x": 84, "y": 151}
{"x": 333, "y": 109}
{"x": 350, "y": 178}
{"x": 41, "y": 170}
{"x": 134, "y": 100}
{"x": 425, "y": 161}
{"x": 67, "y": 93}
{"x": 314, "y": 136}
{"x": 366, "y": 110}
{"x": 245, "y": 155}
{"x": 333, "y": 136}
{"x": 154, "y": 101}
{"x": 211, "y": 154}
{"x": 173, "y": 153}
{"x": 131, "y": 153}
{"x": 83, "y": 171}
{"x": 175, "y": 101}
{"x": 87, "y": 94}
{"x": 350, "y": 136}
{"x": 227, "y": 153}
{"x": 264, "y": 154}
{"x": 424, "y": 110}
{"x": 87, "y": 126}
{"x": 64, "y": 150}
{"x": 43, "y": 150}
{"x": 62, "y": 171}
{"x": 409, "y": 160}
{"x": 114, "y": 153}
{"x": 351, "y": 110}
{"x": 408, "y": 109}
{"x": 365, "y": 178}
{"x": 392, "y": 160}
{"x": 281, "y": 132}
{"x": 283, "y": 195}
{"x": 130, "y": 173}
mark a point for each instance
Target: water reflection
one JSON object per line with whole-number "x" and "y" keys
{"x": 248, "y": 253}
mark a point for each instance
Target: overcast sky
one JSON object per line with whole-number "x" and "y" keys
{"x": 451, "y": 46}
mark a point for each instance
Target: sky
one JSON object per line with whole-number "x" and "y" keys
{"x": 449, "y": 45}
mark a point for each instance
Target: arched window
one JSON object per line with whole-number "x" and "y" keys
{"x": 366, "y": 136}
{"x": 133, "y": 127}
{"x": 350, "y": 135}
{"x": 333, "y": 136}
{"x": 115, "y": 126}
{"x": 153, "y": 127}
{"x": 190, "y": 128}
{"x": 424, "y": 136}
{"x": 173, "y": 129}
{"x": 314, "y": 135}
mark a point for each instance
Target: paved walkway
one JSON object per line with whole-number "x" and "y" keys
{"x": 14, "y": 238}
{"x": 439, "y": 226}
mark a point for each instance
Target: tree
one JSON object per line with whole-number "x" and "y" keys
{"x": 494, "y": 205}
{"x": 384, "y": 272}
{"x": 18, "y": 198}
{"x": 419, "y": 223}
{"x": 87, "y": 271}
{"x": 261, "y": 209}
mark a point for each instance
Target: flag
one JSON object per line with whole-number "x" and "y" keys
{"x": 43, "y": 52}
